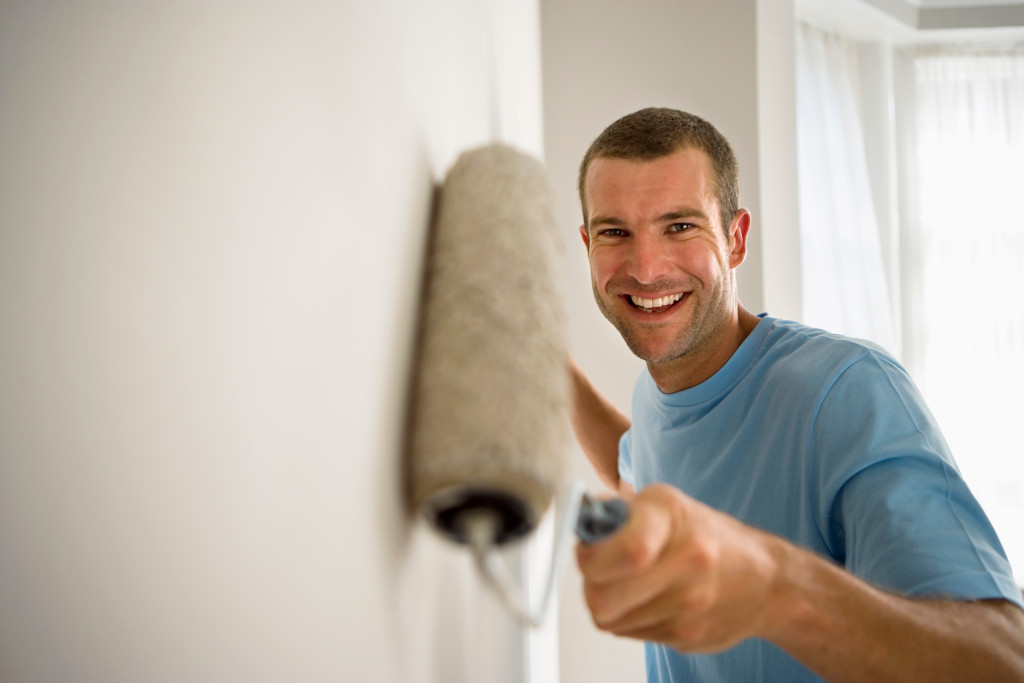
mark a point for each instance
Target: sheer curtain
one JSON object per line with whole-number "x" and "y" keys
{"x": 845, "y": 288}
{"x": 963, "y": 265}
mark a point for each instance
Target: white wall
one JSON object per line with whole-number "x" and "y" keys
{"x": 212, "y": 220}
{"x": 729, "y": 61}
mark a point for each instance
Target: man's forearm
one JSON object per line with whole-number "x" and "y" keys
{"x": 598, "y": 425}
{"x": 846, "y": 630}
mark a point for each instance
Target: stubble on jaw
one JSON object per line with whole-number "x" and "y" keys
{"x": 697, "y": 337}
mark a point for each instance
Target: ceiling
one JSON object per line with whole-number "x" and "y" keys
{"x": 917, "y": 21}
{"x": 953, "y": 14}
{"x": 961, "y": 3}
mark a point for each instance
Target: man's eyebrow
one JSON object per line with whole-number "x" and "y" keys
{"x": 607, "y": 220}
{"x": 683, "y": 213}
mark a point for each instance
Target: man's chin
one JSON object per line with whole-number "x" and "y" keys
{"x": 650, "y": 350}
{"x": 649, "y": 353}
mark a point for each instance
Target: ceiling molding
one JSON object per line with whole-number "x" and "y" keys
{"x": 965, "y": 16}
{"x": 986, "y": 16}
{"x": 901, "y": 11}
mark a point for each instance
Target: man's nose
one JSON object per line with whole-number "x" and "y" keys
{"x": 649, "y": 262}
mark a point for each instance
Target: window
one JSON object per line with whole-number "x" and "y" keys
{"x": 963, "y": 263}
{"x": 950, "y": 280}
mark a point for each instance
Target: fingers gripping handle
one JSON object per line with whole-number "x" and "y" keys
{"x": 599, "y": 519}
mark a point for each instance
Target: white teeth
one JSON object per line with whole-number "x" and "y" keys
{"x": 655, "y": 303}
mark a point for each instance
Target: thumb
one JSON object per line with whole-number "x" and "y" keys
{"x": 638, "y": 543}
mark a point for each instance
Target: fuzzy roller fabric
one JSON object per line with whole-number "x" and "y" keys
{"x": 489, "y": 411}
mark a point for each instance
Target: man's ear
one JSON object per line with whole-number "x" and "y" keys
{"x": 586, "y": 237}
{"x": 738, "y": 229}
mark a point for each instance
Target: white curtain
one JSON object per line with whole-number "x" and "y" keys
{"x": 963, "y": 266}
{"x": 844, "y": 280}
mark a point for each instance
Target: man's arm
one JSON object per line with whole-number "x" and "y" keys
{"x": 686, "y": 575}
{"x": 598, "y": 426}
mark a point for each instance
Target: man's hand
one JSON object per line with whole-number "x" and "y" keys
{"x": 680, "y": 573}
{"x": 695, "y": 579}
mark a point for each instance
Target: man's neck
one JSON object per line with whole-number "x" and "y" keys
{"x": 687, "y": 372}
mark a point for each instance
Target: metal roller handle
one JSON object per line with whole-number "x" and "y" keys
{"x": 599, "y": 519}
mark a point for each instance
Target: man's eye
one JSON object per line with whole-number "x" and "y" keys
{"x": 680, "y": 227}
{"x": 612, "y": 232}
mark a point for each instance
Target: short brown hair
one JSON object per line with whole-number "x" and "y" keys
{"x": 653, "y": 133}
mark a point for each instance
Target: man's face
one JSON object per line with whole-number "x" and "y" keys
{"x": 660, "y": 262}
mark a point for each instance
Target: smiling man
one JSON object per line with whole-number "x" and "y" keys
{"x": 795, "y": 512}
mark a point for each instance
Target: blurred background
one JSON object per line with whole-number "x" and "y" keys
{"x": 212, "y": 229}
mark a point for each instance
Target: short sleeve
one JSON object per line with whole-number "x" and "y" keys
{"x": 900, "y": 515}
{"x": 911, "y": 525}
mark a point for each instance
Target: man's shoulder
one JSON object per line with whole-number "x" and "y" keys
{"x": 800, "y": 344}
{"x": 799, "y": 355}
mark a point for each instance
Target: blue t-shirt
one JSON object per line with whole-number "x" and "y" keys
{"x": 825, "y": 441}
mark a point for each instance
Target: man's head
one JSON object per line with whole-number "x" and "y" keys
{"x": 656, "y": 132}
{"x": 663, "y": 238}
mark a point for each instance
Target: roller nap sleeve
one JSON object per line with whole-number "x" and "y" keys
{"x": 489, "y": 411}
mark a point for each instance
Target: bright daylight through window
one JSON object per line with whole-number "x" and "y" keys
{"x": 949, "y": 302}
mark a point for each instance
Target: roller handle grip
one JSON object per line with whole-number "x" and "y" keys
{"x": 599, "y": 519}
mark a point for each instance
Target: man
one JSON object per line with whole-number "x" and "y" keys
{"x": 796, "y": 512}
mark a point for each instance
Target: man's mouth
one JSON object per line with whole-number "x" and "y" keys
{"x": 656, "y": 305}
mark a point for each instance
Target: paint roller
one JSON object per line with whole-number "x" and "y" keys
{"x": 487, "y": 454}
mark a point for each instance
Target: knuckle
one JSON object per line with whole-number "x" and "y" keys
{"x": 638, "y": 552}
{"x": 666, "y": 494}
{"x": 704, "y": 556}
{"x": 663, "y": 495}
